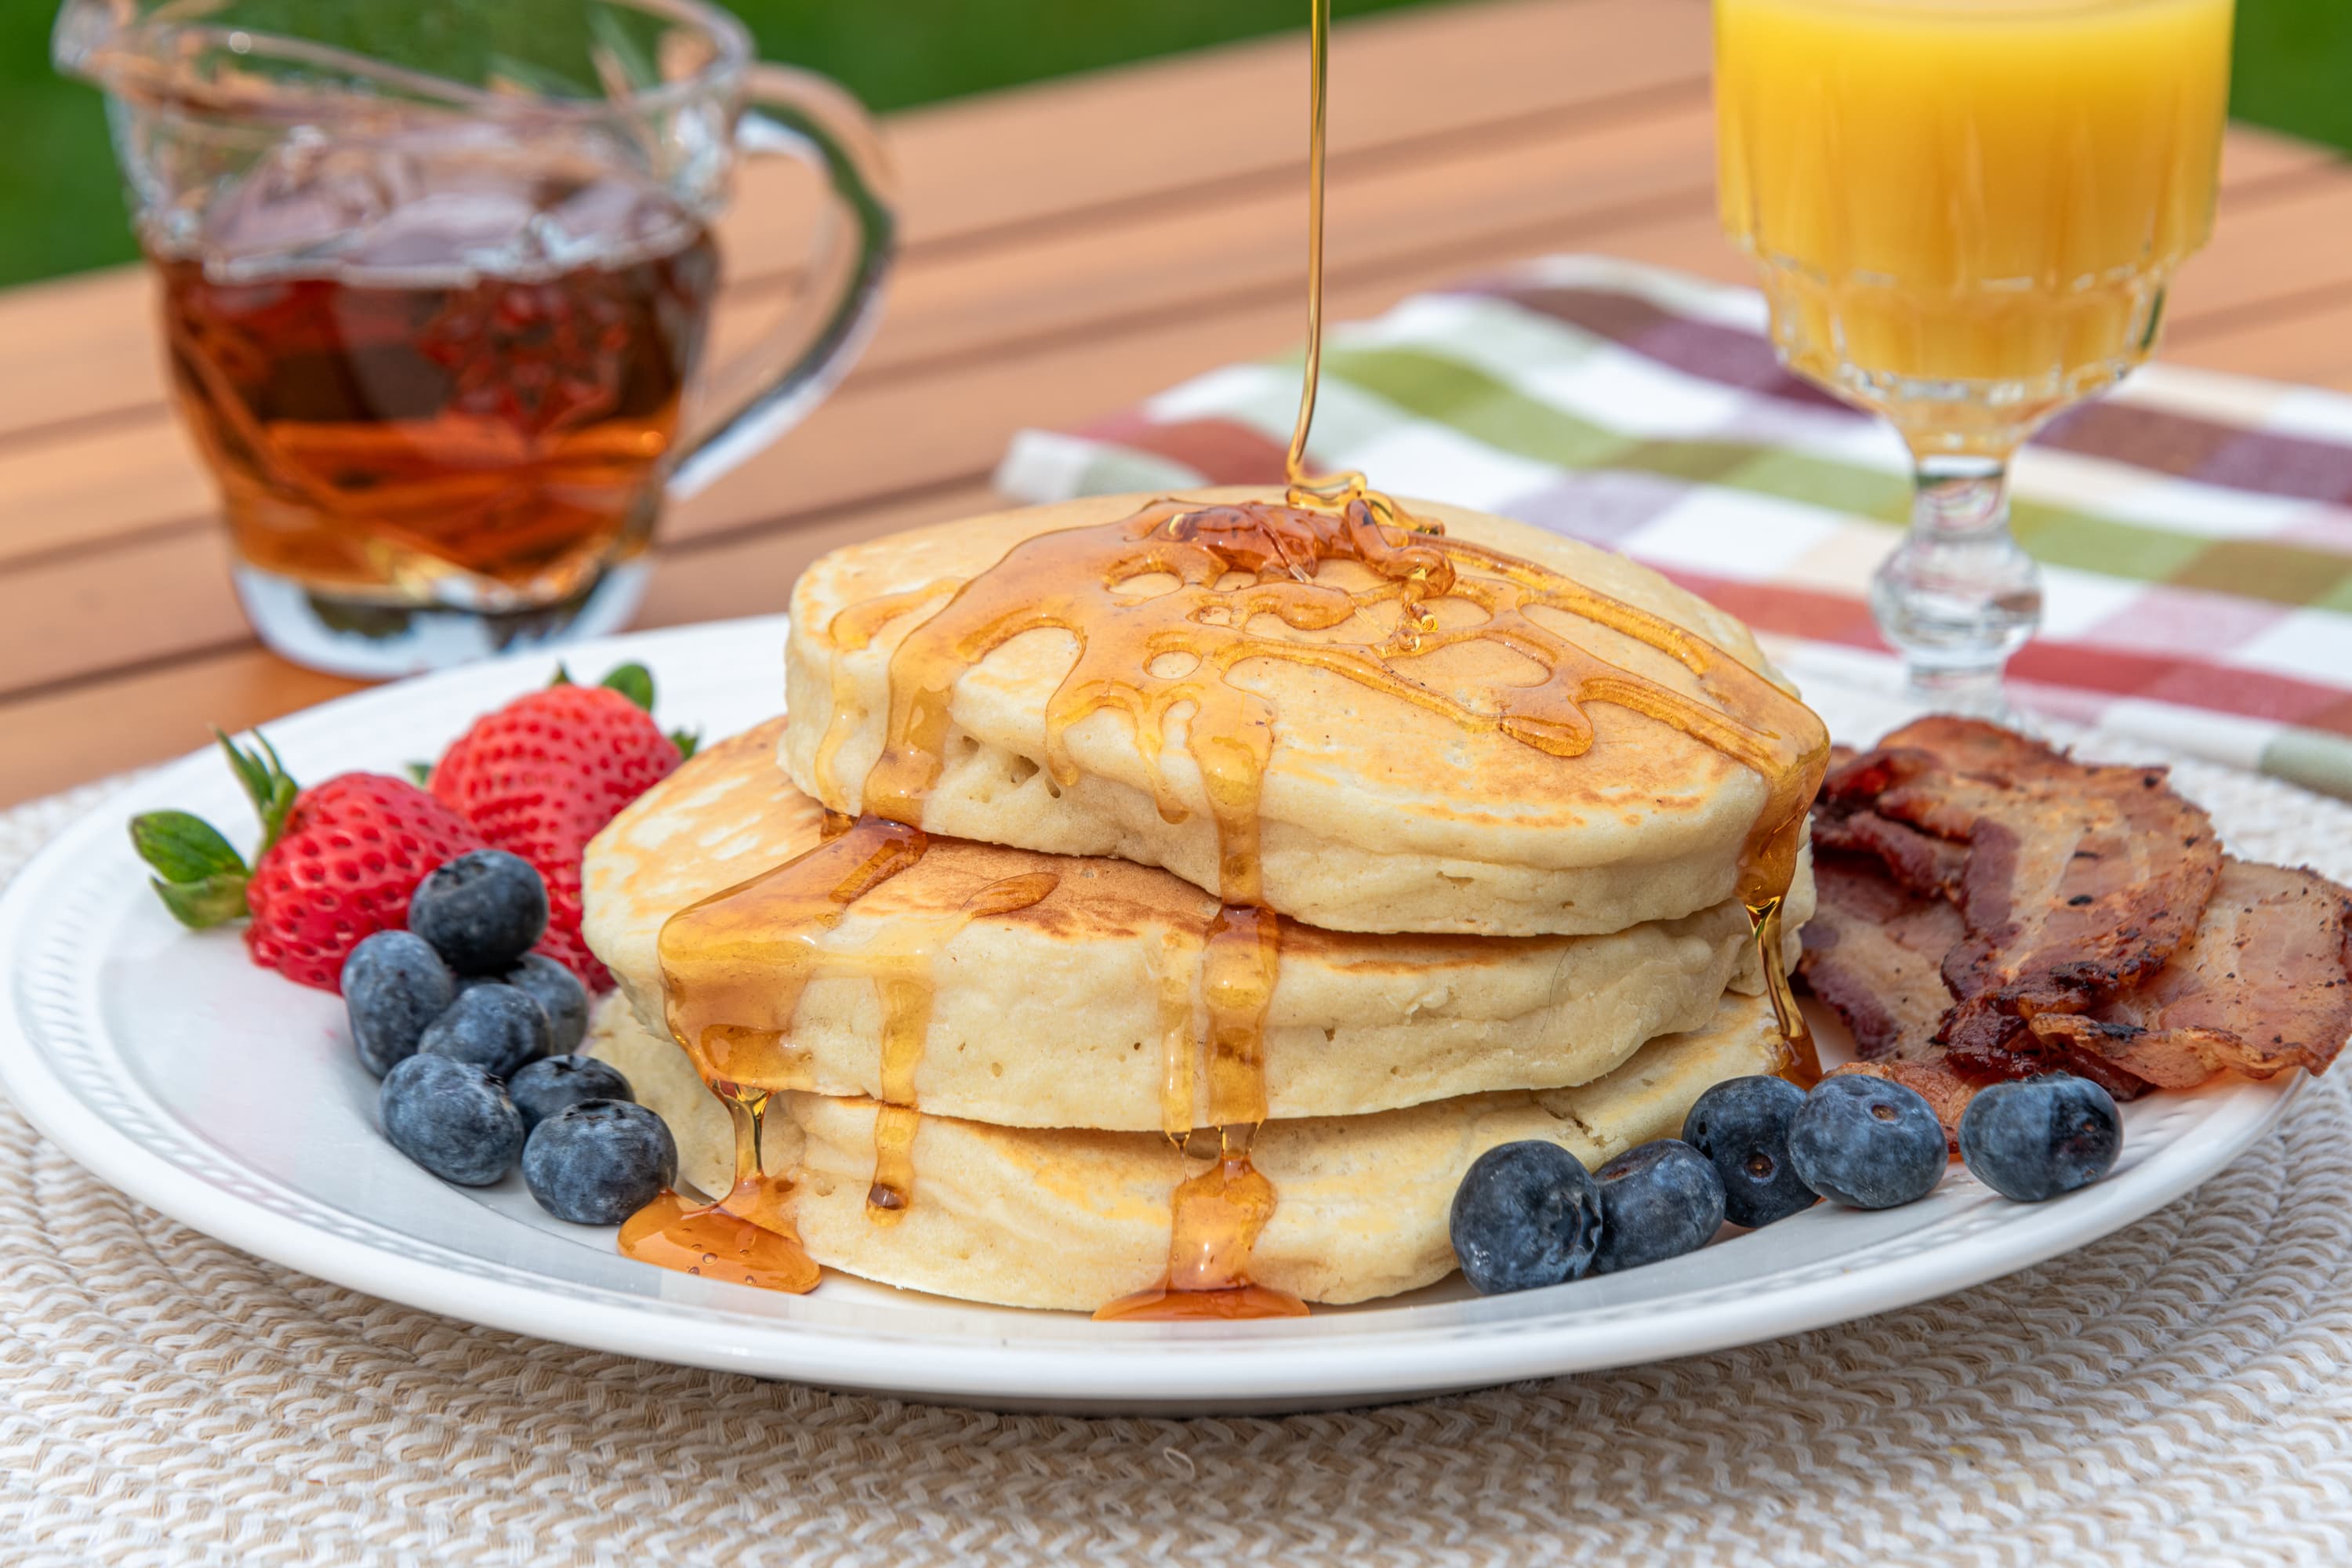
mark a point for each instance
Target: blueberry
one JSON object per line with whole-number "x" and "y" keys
{"x": 480, "y": 911}
{"x": 451, "y": 1118}
{"x": 1867, "y": 1142}
{"x": 559, "y": 991}
{"x": 599, "y": 1161}
{"x": 553, "y": 987}
{"x": 2039, "y": 1137}
{"x": 1742, "y": 1126}
{"x": 1527, "y": 1214}
{"x": 496, "y": 1027}
{"x": 1657, "y": 1200}
{"x": 551, "y": 1084}
{"x": 394, "y": 985}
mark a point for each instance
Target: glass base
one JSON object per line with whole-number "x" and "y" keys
{"x": 1970, "y": 693}
{"x": 375, "y": 641}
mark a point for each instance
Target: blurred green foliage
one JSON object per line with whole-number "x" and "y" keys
{"x": 61, "y": 208}
{"x": 2294, "y": 67}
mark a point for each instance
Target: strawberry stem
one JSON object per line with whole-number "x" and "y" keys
{"x": 267, "y": 785}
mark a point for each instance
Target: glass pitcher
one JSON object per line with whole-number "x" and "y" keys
{"x": 437, "y": 280}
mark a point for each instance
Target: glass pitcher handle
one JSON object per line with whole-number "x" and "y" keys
{"x": 771, "y": 387}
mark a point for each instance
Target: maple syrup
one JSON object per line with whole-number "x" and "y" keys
{"x": 479, "y": 387}
{"x": 747, "y": 1238}
{"x": 1213, "y": 1224}
{"x": 734, "y": 966}
{"x": 1801, "y": 1062}
{"x": 901, "y": 971}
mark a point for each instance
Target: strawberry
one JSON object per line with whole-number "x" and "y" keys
{"x": 337, "y": 862}
{"x": 541, "y": 775}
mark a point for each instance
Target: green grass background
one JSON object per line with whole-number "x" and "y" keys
{"x": 61, "y": 207}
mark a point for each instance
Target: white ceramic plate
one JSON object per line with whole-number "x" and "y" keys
{"x": 229, "y": 1099}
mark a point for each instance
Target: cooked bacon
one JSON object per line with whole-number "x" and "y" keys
{"x": 2079, "y": 882}
{"x": 2264, "y": 984}
{"x": 1874, "y": 950}
{"x": 2087, "y": 922}
{"x": 1844, "y": 819}
{"x": 1924, "y": 864}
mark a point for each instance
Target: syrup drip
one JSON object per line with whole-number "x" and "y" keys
{"x": 1803, "y": 1064}
{"x": 1215, "y": 1220}
{"x": 734, "y": 966}
{"x": 903, "y": 974}
{"x": 747, "y": 1238}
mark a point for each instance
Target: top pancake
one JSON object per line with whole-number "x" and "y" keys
{"x": 1378, "y": 815}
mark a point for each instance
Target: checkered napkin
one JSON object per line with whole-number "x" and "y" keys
{"x": 2195, "y": 530}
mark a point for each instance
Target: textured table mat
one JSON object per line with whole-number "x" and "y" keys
{"x": 2195, "y": 530}
{"x": 2180, "y": 1393}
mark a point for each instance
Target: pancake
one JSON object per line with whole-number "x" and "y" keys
{"x": 1376, "y": 814}
{"x": 1052, "y": 1016}
{"x": 1034, "y": 1217}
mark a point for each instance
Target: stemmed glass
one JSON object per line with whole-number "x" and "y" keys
{"x": 1967, "y": 213}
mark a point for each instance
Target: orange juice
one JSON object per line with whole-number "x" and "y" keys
{"x": 1966, "y": 211}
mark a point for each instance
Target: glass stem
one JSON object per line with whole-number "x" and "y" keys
{"x": 1958, "y": 596}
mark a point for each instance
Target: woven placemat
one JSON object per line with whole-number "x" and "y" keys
{"x": 2180, "y": 1393}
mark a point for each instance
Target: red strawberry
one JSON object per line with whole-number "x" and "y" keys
{"x": 336, "y": 863}
{"x": 543, "y": 774}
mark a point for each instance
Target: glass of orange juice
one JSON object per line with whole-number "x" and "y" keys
{"x": 1967, "y": 213}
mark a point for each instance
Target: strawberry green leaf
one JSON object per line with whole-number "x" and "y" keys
{"x": 184, "y": 847}
{"x": 634, "y": 681}
{"x": 263, "y": 773}
{"x": 562, "y": 677}
{"x": 420, "y": 774}
{"x": 687, "y": 742}
{"x": 250, "y": 771}
{"x": 199, "y": 905}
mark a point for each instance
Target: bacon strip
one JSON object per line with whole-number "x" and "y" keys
{"x": 1874, "y": 951}
{"x": 1990, "y": 909}
{"x": 1924, "y": 865}
{"x": 2078, "y": 881}
{"x": 2264, "y": 984}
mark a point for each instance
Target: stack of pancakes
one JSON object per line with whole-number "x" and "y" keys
{"x": 1480, "y": 940}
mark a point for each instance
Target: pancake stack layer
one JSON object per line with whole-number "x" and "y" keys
{"x": 1183, "y": 895}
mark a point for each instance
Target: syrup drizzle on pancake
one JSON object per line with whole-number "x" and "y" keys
{"x": 1162, "y": 607}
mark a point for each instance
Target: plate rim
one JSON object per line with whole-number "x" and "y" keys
{"x": 1111, "y": 1366}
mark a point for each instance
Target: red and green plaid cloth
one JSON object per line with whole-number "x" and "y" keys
{"x": 2195, "y": 530}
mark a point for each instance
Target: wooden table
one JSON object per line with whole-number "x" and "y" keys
{"x": 1070, "y": 247}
